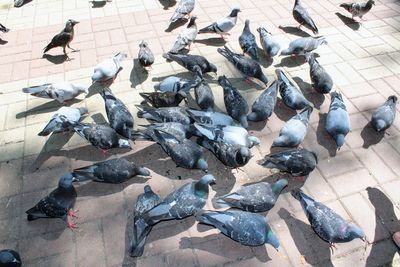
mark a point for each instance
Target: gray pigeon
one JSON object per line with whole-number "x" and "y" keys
{"x": 322, "y": 82}
{"x": 4, "y": 28}
{"x": 258, "y": 197}
{"x": 264, "y": 105}
{"x": 338, "y": 120}
{"x": 358, "y": 9}
{"x": 384, "y": 116}
{"x": 210, "y": 118}
{"x": 112, "y": 171}
{"x": 326, "y": 223}
{"x": 145, "y": 56}
{"x": 294, "y": 130}
{"x": 183, "y": 152}
{"x": 145, "y": 202}
{"x": 303, "y": 45}
{"x": 59, "y": 121}
{"x": 233, "y": 135}
{"x": 108, "y": 69}
{"x": 247, "y": 41}
{"x": 235, "y": 104}
{"x": 301, "y": 15}
{"x": 61, "y": 91}
{"x": 186, "y": 37}
{"x": 290, "y": 94}
{"x": 204, "y": 95}
{"x": 64, "y": 38}
{"x": 119, "y": 117}
{"x": 270, "y": 46}
{"x": 58, "y": 203}
{"x": 176, "y": 129}
{"x": 296, "y": 161}
{"x": 10, "y": 258}
{"x": 249, "y": 229}
{"x": 189, "y": 62}
{"x": 164, "y": 99}
{"x": 223, "y": 25}
{"x": 170, "y": 114}
{"x": 231, "y": 155}
{"x": 184, "y": 8}
{"x": 249, "y": 67}
{"x": 19, "y": 3}
{"x": 175, "y": 84}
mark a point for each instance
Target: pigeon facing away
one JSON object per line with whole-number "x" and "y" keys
{"x": 301, "y": 46}
{"x": 179, "y": 130}
{"x": 3, "y": 28}
{"x": 58, "y": 203}
{"x": 322, "y": 82}
{"x": 338, "y": 120}
{"x": 61, "y": 91}
{"x": 186, "y": 37}
{"x": 270, "y": 46}
{"x": 326, "y": 223}
{"x": 175, "y": 84}
{"x": 223, "y": 25}
{"x": 164, "y": 99}
{"x": 145, "y": 56}
{"x": 384, "y": 116}
{"x": 112, "y": 171}
{"x": 235, "y": 104}
{"x": 184, "y": 8}
{"x": 118, "y": 115}
{"x": 249, "y": 67}
{"x": 291, "y": 96}
{"x": 64, "y": 38}
{"x": 258, "y": 197}
{"x": 294, "y": 130}
{"x": 170, "y": 114}
{"x": 183, "y": 152}
{"x": 108, "y": 69}
{"x": 247, "y": 41}
{"x": 264, "y": 105}
{"x": 60, "y": 120}
{"x": 204, "y": 95}
{"x": 10, "y": 258}
{"x": 358, "y": 9}
{"x": 301, "y": 15}
{"x": 296, "y": 161}
{"x": 210, "y": 118}
{"x": 190, "y": 62}
{"x": 249, "y": 229}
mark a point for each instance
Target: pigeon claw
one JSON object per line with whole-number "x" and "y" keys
{"x": 300, "y": 178}
{"x": 73, "y": 213}
{"x": 72, "y": 226}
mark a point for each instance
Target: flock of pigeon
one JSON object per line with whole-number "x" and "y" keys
{"x": 225, "y": 135}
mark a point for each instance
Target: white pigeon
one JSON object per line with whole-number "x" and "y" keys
{"x": 108, "y": 69}
{"x": 223, "y": 25}
{"x": 61, "y": 91}
{"x": 186, "y": 37}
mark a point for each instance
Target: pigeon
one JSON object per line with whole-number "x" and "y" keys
{"x": 338, "y": 120}
{"x": 19, "y": 3}
{"x": 186, "y": 37}
{"x": 235, "y": 104}
{"x": 210, "y": 118}
{"x": 249, "y": 67}
{"x": 99, "y": 3}
{"x": 301, "y": 15}
{"x": 249, "y": 229}
{"x": 270, "y": 46}
{"x": 4, "y": 28}
{"x": 190, "y": 61}
{"x": 169, "y": 114}
{"x": 101, "y": 136}
{"x": 175, "y": 84}
{"x": 326, "y": 223}
{"x": 60, "y": 120}
{"x": 64, "y": 38}
{"x": 247, "y": 41}
{"x": 58, "y": 203}
{"x": 264, "y": 105}
{"x": 108, "y": 69}
{"x": 258, "y": 197}
{"x": 303, "y": 45}
{"x": 294, "y": 130}
{"x": 145, "y": 202}
{"x": 120, "y": 118}
{"x": 184, "y": 8}
{"x": 291, "y": 96}
{"x": 384, "y": 116}
{"x": 233, "y": 135}
{"x": 223, "y": 25}
{"x": 233, "y": 156}
{"x": 179, "y": 130}
{"x": 183, "y": 152}
{"x": 61, "y": 91}
{"x": 358, "y": 9}
{"x": 322, "y": 82}
{"x": 10, "y": 258}
{"x": 296, "y": 161}
{"x": 145, "y": 56}
{"x": 204, "y": 95}
{"x": 164, "y": 99}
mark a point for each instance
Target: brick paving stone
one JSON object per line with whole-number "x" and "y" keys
{"x": 333, "y": 166}
{"x": 360, "y": 180}
{"x": 89, "y": 239}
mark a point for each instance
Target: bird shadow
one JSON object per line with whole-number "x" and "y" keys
{"x": 264, "y": 61}
{"x": 128, "y": 260}
{"x": 167, "y": 3}
{"x": 282, "y": 111}
{"x": 24, "y": 3}
{"x": 314, "y": 97}
{"x": 213, "y": 41}
{"x": 138, "y": 74}
{"x": 324, "y": 138}
{"x": 3, "y": 42}
{"x": 44, "y": 108}
{"x": 291, "y": 62}
{"x": 271, "y": 179}
{"x": 99, "y": 118}
{"x": 94, "y": 89}
{"x": 58, "y": 59}
{"x": 176, "y": 24}
{"x": 370, "y": 136}
{"x": 294, "y": 30}
{"x": 349, "y": 22}
{"x": 98, "y": 4}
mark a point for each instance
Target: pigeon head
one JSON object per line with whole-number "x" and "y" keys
{"x": 72, "y": 22}
{"x": 143, "y": 171}
{"x": 192, "y": 21}
{"x": 143, "y": 44}
{"x": 247, "y": 23}
{"x": 147, "y": 189}
{"x": 83, "y": 110}
{"x": 9, "y": 257}
{"x": 371, "y": 2}
{"x": 263, "y": 31}
{"x": 123, "y": 143}
{"x": 353, "y": 232}
{"x": 339, "y": 139}
{"x": 392, "y": 98}
{"x": 279, "y": 185}
{"x": 201, "y": 186}
{"x": 272, "y": 239}
{"x": 243, "y": 156}
{"x": 234, "y": 12}
{"x": 253, "y": 140}
{"x": 197, "y": 70}
{"x": 120, "y": 56}
{"x": 202, "y": 164}
{"x": 211, "y": 68}
{"x": 66, "y": 180}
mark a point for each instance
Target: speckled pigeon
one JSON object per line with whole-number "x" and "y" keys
{"x": 270, "y": 46}
{"x": 190, "y": 61}
{"x": 304, "y": 45}
{"x": 204, "y": 95}
{"x": 358, "y": 9}
{"x": 338, "y": 120}
{"x": 10, "y": 258}
{"x": 384, "y": 116}
{"x": 211, "y": 118}
{"x": 61, "y": 91}
{"x": 264, "y": 105}
{"x": 184, "y": 8}
{"x": 247, "y": 41}
{"x": 170, "y": 114}
{"x": 145, "y": 55}
{"x": 321, "y": 80}
{"x": 164, "y": 99}
{"x": 223, "y": 25}
{"x": 177, "y": 129}
{"x": 290, "y": 94}
{"x": 301, "y": 15}
{"x": 108, "y": 69}
{"x": 186, "y": 37}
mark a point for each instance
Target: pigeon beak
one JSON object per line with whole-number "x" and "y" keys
{"x": 74, "y": 179}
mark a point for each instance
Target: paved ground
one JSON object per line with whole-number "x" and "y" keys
{"x": 361, "y": 181}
